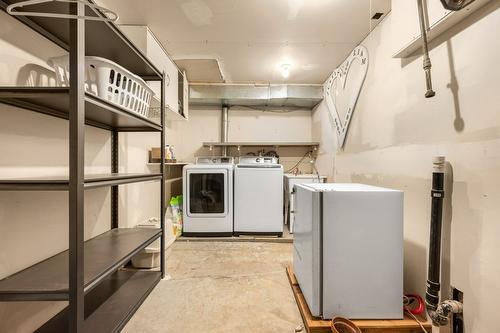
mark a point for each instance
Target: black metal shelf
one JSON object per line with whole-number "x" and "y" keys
{"x": 54, "y": 101}
{"x": 62, "y": 183}
{"x": 123, "y": 292}
{"x": 104, "y": 254}
{"x": 101, "y": 299}
{"x": 103, "y": 39}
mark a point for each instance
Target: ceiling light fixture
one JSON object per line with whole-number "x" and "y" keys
{"x": 285, "y": 70}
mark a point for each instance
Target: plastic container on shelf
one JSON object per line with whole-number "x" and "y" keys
{"x": 108, "y": 81}
{"x": 150, "y": 256}
{"x": 147, "y": 258}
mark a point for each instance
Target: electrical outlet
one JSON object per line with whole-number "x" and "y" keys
{"x": 457, "y": 320}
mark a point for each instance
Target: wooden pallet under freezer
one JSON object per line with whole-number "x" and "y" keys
{"x": 317, "y": 325}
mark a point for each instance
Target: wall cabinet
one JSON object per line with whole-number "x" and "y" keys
{"x": 183, "y": 88}
{"x": 175, "y": 80}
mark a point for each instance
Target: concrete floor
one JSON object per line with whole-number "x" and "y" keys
{"x": 221, "y": 287}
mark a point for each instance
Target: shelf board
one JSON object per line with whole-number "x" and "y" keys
{"x": 62, "y": 183}
{"x": 170, "y": 114}
{"x": 54, "y": 101}
{"x": 104, "y": 254}
{"x": 169, "y": 164}
{"x": 123, "y": 292}
{"x": 103, "y": 39}
{"x": 171, "y": 180}
{"x": 438, "y": 28}
{"x": 261, "y": 144}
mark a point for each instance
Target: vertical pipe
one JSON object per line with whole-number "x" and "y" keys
{"x": 224, "y": 128}
{"x": 76, "y": 167}
{"x": 162, "y": 170}
{"x": 114, "y": 189}
{"x": 427, "y": 61}
{"x": 434, "y": 265}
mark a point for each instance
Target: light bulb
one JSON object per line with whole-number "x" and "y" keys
{"x": 285, "y": 70}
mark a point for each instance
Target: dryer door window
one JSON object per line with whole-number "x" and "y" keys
{"x": 207, "y": 193}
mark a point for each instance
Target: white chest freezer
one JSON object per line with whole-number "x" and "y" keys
{"x": 348, "y": 250}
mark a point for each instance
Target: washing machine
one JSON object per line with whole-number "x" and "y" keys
{"x": 258, "y": 196}
{"x": 208, "y": 197}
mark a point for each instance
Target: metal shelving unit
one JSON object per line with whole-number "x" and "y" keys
{"x": 124, "y": 292}
{"x": 101, "y": 297}
{"x": 62, "y": 183}
{"x": 54, "y": 101}
{"x": 48, "y": 280}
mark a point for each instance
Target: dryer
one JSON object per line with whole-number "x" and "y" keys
{"x": 208, "y": 197}
{"x": 258, "y": 196}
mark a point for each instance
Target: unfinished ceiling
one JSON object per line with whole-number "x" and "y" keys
{"x": 252, "y": 39}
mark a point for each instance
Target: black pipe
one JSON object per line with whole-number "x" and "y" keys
{"x": 433, "y": 272}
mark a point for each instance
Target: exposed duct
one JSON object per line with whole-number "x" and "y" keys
{"x": 255, "y": 95}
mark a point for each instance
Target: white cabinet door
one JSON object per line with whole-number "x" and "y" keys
{"x": 171, "y": 86}
{"x": 148, "y": 44}
{"x": 185, "y": 96}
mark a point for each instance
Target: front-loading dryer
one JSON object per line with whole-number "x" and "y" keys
{"x": 208, "y": 197}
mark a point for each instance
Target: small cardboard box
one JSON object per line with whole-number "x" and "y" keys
{"x": 155, "y": 155}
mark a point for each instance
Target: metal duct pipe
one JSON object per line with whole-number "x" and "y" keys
{"x": 224, "y": 128}
{"x": 427, "y": 61}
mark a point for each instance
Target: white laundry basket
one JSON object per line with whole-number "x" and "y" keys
{"x": 108, "y": 81}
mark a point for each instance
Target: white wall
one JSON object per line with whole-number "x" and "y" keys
{"x": 395, "y": 132}
{"x": 187, "y": 137}
{"x": 244, "y": 125}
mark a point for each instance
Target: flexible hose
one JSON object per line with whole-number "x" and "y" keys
{"x": 427, "y": 61}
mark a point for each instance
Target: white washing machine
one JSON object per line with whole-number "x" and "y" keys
{"x": 258, "y": 196}
{"x": 208, "y": 197}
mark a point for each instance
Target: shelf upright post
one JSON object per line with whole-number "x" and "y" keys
{"x": 76, "y": 167}
{"x": 114, "y": 189}
{"x": 162, "y": 170}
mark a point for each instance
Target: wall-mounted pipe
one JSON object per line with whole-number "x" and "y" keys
{"x": 224, "y": 128}
{"x": 438, "y": 312}
{"x": 434, "y": 265}
{"x": 427, "y": 61}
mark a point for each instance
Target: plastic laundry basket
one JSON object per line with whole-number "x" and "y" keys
{"x": 108, "y": 81}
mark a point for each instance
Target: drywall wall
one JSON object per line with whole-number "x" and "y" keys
{"x": 244, "y": 125}
{"x": 395, "y": 132}
{"x": 34, "y": 225}
{"x": 187, "y": 137}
